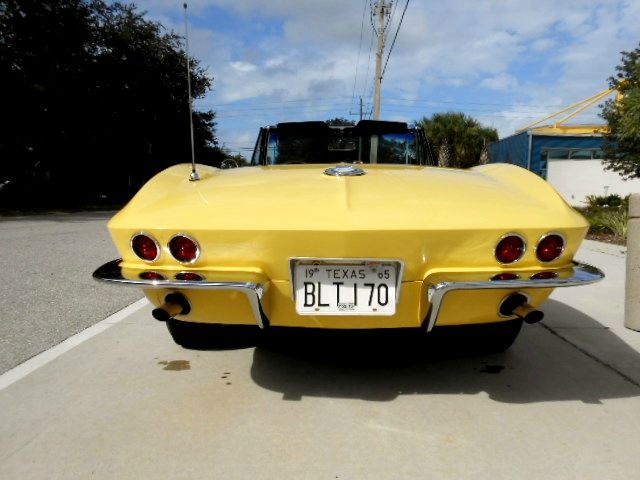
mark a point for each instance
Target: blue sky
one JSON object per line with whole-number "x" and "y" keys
{"x": 506, "y": 63}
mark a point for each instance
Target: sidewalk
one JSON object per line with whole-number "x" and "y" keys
{"x": 583, "y": 316}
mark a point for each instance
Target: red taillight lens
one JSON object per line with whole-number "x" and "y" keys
{"x": 505, "y": 276}
{"x": 550, "y": 247}
{"x": 510, "y": 249}
{"x": 151, "y": 276}
{"x": 544, "y": 275}
{"x": 194, "y": 277}
{"x": 184, "y": 249}
{"x": 145, "y": 247}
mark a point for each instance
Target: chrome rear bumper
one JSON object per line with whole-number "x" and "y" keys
{"x": 112, "y": 272}
{"x": 441, "y": 284}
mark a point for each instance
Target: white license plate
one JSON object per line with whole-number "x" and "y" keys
{"x": 367, "y": 288}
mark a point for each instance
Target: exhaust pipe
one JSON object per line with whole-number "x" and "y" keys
{"x": 517, "y": 305}
{"x": 174, "y": 304}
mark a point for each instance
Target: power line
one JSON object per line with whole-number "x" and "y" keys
{"x": 393, "y": 12}
{"x": 407, "y": 109}
{"x": 355, "y": 79}
{"x": 416, "y": 102}
{"x": 394, "y": 37}
{"x": 366, "y": 77}
{"x": 395, "y": 103}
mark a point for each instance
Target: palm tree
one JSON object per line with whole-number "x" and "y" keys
{"x": 443, "y": 154}
{"x": 461, "y": 137}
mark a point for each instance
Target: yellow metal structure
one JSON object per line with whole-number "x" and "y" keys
{"x": 559, "y": 126}
{"x": 249, "y": 222}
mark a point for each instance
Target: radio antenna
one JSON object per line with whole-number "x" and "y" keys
{"x": 194, "y": 175}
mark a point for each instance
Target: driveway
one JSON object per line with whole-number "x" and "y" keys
{"x": 127, "y": 403}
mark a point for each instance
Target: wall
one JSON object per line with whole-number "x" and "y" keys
{"x": 544, "y": 142}
{"x": 513, "y": 149}
{"x": 575, "y": 179}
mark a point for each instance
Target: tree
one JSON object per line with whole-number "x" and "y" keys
{"x": 457, "y": 139}
{"x": 94, "y": 99}
{"x": 340, "y": 122}
{"x": 622, "y": 141}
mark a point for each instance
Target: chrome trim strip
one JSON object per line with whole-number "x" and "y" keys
{"x": 148, "y": 235}
{"x": 582, "y": 274}
{"x": 112, "y": 273}
{"x": 334, "y": 261}
{"x": 548, "y": 234}
{"x": 189, "y": 237}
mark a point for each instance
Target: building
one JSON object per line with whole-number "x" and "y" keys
{"x": 567, "y": 156}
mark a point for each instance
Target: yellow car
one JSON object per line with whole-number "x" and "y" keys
{"x": 347, "y": 228}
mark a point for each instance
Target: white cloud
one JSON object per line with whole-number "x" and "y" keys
{"x": 542, "y": 44}
{"x": 502, "y": 81}
{"x": 242, "y": 67}
{"x": 306, "y": 50}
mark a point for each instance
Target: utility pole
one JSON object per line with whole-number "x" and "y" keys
{"x": 381, "y": 13}
{"x": 360, "y": 108}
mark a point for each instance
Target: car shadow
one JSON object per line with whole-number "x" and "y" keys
{"x": 382, "y": 365}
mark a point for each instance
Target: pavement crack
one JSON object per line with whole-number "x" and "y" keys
{"x": 591, "y": 356}
{"x": 21, "y": 447}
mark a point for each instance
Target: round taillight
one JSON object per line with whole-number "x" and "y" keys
{"x": 151, "y": 276}
{"x": 145, "y": 247}
{"x": 194, "y": 277}
{"x": 184, "y": 249}
{"x": 550, "y": 247}
{"x": 510, "y": 248}
{"x": 505, "y": 276}
{"x": 544, "y": 275}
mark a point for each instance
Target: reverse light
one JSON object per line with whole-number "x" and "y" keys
{"x": 550, "y": 247}
{"x": 184, "y": 249}
{"x": 510, "y": 248}
{"x": 145, "y": 247}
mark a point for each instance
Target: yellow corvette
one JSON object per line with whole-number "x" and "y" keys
{"x": 347, "y": 228}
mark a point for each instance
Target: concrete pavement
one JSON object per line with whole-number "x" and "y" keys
{"x": 562, "y": 404}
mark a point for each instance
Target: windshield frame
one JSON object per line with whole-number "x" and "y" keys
{"x": 311, "y": 142}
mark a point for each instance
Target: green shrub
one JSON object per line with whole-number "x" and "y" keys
{"x": 611, "y": 220}
{"x": 613, "y": 200}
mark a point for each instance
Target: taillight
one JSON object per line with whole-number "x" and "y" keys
{"x": 544, "y": 275}
{"x": 510, "y": 248}
{"x": 194, "y": 277}
{"x": 151, "y": 276}
{"x": 550, "y": 247}
{"x": 184, "y": 249}
{"x": 145, "y": 247}
{"x": 505, "y": 276}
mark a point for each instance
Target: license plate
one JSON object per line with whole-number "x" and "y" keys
{"x": 363, "y": 288}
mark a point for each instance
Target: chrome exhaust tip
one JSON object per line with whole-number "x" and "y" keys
{"x": 516, "y": 304}
{"x": 174, "y": 304}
